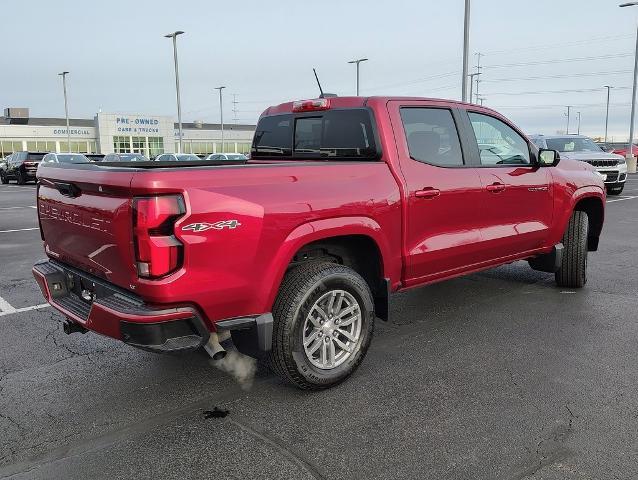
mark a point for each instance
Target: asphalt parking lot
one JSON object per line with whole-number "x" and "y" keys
{"x": 499, "y": 375}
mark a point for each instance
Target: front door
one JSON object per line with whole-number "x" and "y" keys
{"x": 516, "y": 204}
{"x": 442, "y": 194}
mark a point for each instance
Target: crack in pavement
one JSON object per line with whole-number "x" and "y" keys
{"x": 280, "y": 446}
{"x": 549, "y": 449}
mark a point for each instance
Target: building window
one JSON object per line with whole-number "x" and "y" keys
{"x": 76, "y": 147}
{"x": 155, "y": 146}
{"x": 230, "y": 147}
{"x": 139, "y": 145}
{"x": 7, "y": 147}
{"x": 202, "y": 148}
{"x": 122, "y": 144}
{"x": 243, "y": 148}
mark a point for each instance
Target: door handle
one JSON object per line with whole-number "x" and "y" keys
{"x": 495, "y": 187}
{"x": 428, "y": 192}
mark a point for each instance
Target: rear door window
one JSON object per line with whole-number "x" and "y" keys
{"x": 432, "y": 136}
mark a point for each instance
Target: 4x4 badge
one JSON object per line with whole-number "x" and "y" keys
{"x": 203, "y": 226}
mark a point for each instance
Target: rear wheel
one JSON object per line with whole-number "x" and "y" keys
{"x": 21, "y": 177}
{"x": 573, "y": 270}
{"x": 324, "y": 320}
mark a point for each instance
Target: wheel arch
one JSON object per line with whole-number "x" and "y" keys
{"x": 594, "y": 206}
{"x": 356, "y": 242}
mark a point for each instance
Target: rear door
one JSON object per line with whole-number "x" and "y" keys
{"x": 442, "y": 233}
{"x": 86, "y": 219}
{"x": 516, "y": 201}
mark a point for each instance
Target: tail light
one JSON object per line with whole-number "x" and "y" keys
{"x": 158, "y": 252}
{"x": 311, "y": 105}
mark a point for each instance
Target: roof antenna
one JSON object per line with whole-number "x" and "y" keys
{"x": 323, "y": 95}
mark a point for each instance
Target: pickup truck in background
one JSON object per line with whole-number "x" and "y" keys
{"x": 297, "y": 250}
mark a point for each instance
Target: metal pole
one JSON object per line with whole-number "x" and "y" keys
{"x": 478, "y": 71}
{"x": 179, "y": 103}
{"x": 607, "y": 114}
{"x": 221, "y": 114}
{"x": 578, "y": 131}
{"x": 357, "y": 62}
{"x": 66, "y": 111}
{"x": 471, "y": 83}
{"x": 568, "y": 112}
{"x": 630, "y": 149}
{"x": 466, "y": 49}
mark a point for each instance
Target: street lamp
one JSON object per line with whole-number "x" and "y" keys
{"x": 631, "y": 160}
{"x": 607, "y": 114}
{"x": 66, "y": 111}
{"x": 179, "y": 104}
{"x": 466, "y": 50}
{"x": 221, "y": 114}
{"x": 357, "y": 62}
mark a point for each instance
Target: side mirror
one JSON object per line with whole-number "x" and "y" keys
{"x": 548, "y": 158}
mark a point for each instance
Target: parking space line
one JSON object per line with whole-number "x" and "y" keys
{"x": 6, "y": 307}
{"x": 25, "y": 309}
{"x": 621, "y": 199}
{"x": 17, "y": 208}
{"x": 20, "y": 230}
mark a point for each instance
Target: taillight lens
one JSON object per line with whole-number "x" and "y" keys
{"x": 311, "y": 105}
{"x": 158, "y": 252}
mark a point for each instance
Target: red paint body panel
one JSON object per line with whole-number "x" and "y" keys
{"x": 280, "y": 206}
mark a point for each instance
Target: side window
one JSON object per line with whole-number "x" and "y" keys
{"x": 48, "y": 158}
{"x": 432, "y": 136}
{"x": 498, "y": 143}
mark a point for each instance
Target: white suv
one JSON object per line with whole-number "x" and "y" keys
{"x": 611, "y": 166}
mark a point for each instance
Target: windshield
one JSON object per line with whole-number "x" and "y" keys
{"x": 71, "y": 158}
{"x": 187, "y": 157}
{"x": 132, "y": 157}
{"x": 572, "y": 144}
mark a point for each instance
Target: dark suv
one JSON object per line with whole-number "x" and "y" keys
{"x": 21, "y": 167}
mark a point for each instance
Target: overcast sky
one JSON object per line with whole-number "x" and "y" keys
{"x": 264, "y": 51}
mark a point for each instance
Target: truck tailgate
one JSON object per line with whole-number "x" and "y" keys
{"x": 80, "y": 221}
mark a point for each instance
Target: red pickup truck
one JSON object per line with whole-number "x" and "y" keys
{"x": 297, "y": 250}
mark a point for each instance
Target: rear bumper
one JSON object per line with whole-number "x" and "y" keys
{"x": 103, "y": 308}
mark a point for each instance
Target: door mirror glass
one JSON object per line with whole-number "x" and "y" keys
{"x": 548, "y": 158}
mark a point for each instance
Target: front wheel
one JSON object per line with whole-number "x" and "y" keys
{"x": 3, "y": 178}
{"x": 324, "y": 321}
{"x": 573, "y": 270}
{"x": 21, "y": 178}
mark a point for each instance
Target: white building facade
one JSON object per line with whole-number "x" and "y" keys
{"x": 149, "y": 135}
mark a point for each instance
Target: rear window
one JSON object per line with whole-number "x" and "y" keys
{"x": 330, "y": 135}
{"x": 35, "y": 157}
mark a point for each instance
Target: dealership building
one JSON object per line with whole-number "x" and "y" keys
{"x": 149, "y": 135}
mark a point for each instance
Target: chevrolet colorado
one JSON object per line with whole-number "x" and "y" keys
{"x": 296, "y": 251}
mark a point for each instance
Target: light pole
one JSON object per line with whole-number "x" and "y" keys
{"x": 569, "y": 107}
{"x": 357, "y": 62}
{"x": 578, "y": 130}
{"x": 607, "y": 114}
{"x": 179, "y": 103}
{"x": 466, "y": 50}
{"x": 66, "y": 111}
{"x": 631, "y": 161}
{"x": 221, "y": 114}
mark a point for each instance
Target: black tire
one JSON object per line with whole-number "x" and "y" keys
{"x": 21, "y": 178}
{"x": 302, "y": 287}
{"x": 3, "y": 178}
{"x": 616, "y": 190}
{"x": 573, "y": 270}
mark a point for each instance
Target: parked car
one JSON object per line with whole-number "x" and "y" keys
{"x": 65, "y": 158}
{"x": 178, "y": 157}
{"x": 22, "y": 167}
{"x": 124, "y": 157}
{"x": 611, "y": 166}
{"x": 621, "y": 149}
{"x": 295, "y": 253}
{"x": 227, "y": 156}
{"x": 95, "y": 157}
